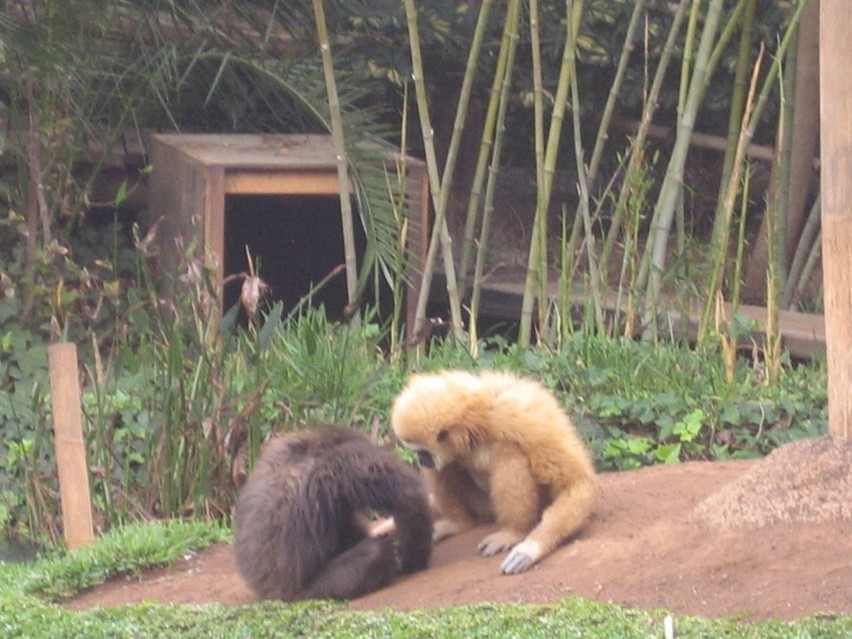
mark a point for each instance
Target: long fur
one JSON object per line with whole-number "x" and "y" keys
{"x": 301, "y": 519}
{"x": 513, "y": 438}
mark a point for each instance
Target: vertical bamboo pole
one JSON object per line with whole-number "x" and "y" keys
{"x": 836, "y": 161}
{"x": 350, "y": 254}
{"x": 440, "y": 232}
{"x": 70, "y": 446}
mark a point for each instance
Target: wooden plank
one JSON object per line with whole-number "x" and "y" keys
{"x": 836, "y": 161}
{"x": 802, "y": 334}
{"x": 265, "y": 151}
{"x": 70, "y": 445}
{"x": 280, "y": 182}
{"x": 214, "y": 221}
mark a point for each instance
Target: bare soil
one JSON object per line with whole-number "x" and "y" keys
{"x": 743, "y": 538}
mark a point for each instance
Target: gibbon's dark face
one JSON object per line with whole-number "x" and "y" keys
{"x": 425, "y": 459}
{"x": 434, "y": 455}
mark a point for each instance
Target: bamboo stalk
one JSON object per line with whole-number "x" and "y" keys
{"x": 707, "y": 59}
{"x": 603, "y": 132}
{"x": 573, "y": 13}
{"x": 808, "y": 269}
{"x": 458, "y": 127}
{"x": 614, "y": 90}
{"x": 538, "y": 95}
{"x": 803, "y": 146}
{"x": 803, "y": 251}
{"x": 512, "y": 12}
{"x": 741, "y": 243}
{"x": 638, "y": 143}
{"x": 539, "y": 234}
{"x": 440, "y": 234}
{"x": 772, "y": 335}
{"x": 732, "y": 191}
{"x": 725, "y": 36}
{"x": 776, "y": 215}
{"x": 673, "y": 180}
{"x": 594, "y": 275}
{"x": 750, "y": 122}
{"x": 349, "y": 250}
{"x": 736, "y": 110}
{"x": 688, "y": 50}
{"x": 485, "y": 144}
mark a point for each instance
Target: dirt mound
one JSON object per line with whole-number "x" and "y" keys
{"x": 643, "y": 547}
{"x": 805, "y": 481}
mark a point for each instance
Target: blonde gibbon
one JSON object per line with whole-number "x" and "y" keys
{"x": 498, "y": 447}
{"x": 302, "y": 519}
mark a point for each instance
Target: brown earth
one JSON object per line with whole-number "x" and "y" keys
{"x": 758, "y": 540}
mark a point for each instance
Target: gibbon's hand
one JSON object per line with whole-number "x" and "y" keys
{"x": 498, "y": 542}
{"x": 521, "y": 558}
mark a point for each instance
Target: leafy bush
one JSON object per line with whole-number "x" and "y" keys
{"x": 661, "y": 402}
{"x": 641, "y": 403}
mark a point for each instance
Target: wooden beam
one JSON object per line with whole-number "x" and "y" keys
{"x": 836, "y": 162}
{"x": 70, "y": 445}
{"x": 319, "y": 182}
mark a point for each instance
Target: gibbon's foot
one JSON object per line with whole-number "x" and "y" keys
{"x": 369, "y": 565}
{"x": 383, "y": 527}
{"x": 498, "y": 542}
{"x": 522, "y": 557}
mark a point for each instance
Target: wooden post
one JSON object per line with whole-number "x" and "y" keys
{"x": 70, "y": 445}
{"x": 835, "y": 46}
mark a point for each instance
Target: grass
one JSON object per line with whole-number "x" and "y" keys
{"x": 26, "y": 608}
{"x": 123, "y": 550}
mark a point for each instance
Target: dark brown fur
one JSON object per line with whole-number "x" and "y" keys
{"x": 300, "y": 520}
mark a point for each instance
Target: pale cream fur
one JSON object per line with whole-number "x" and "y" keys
{"x": 504, "y": 450}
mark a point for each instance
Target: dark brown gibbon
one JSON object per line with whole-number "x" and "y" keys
{"x": 302, "y": 519}
{"x": 498, "y": 447}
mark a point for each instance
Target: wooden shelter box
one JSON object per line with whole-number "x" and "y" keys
{"x": 271, "y": 199}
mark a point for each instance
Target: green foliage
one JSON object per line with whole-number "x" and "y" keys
{"x": 24, "y": 456}
{"x": 31, "y": 618}
{"x": 662, "y": 402}
{"x": 321, "y": 371}
{"x": 641, "y": 403}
